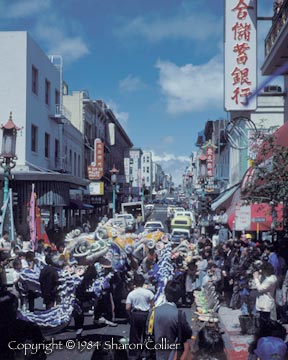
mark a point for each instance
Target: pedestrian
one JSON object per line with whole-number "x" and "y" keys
{"x": 19, "y": 240}
{"x": 169, "y": 323}
{"x": 269, "y": 348}
{"x": 83, "y": 296}
{"x": 270, "y": 329}
{"x": 266, "y": 284}
{"x": 5, "y": 246}
{"x": 138, "y": 303}
{"x": 32, "y": 292}
{"x": 49, "y": 281}
{"x": 211, "y": 345}
{"x": 104, "y": 305}
{"x": 15, "y": 332}
{"x": 223, "y": 223}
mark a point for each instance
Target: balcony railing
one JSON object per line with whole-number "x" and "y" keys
{"x": 61, "y": 112}
{"x": 278, "y": 22}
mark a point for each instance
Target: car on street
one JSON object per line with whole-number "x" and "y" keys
{"x": 178, "y": 234}
{"x": 190, "y": 214}
{"x": 154, "y": 225}
{"x": 183, "y": 222}
{"x": 130, "y": 221}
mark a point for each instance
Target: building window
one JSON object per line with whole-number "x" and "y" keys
{"x": 47, "y": 145}
{"x": 75, "y": 164}
{"x": 147, "y": 169}
{"x": 70, "y": 161}
{"x": 79, "y": 171}
{"x": 47, "y": 92}
{"x": 34, "y": 80}
{"x": 56, "y": 152}
{"x": 57, "y": 97}
{"x": 34, "y": 138}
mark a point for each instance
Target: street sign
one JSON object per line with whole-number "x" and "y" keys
{"x": 258, "y": 219}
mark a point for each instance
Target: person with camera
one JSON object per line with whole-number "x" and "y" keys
{"x": 266, "y": 283}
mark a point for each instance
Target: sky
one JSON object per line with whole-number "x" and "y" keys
{"x": 158, "y": 64}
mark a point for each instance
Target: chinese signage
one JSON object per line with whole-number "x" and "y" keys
{"x": 209, "y": 147}
{"x": 96, "y": 170}
{"x": 240, "y": 54}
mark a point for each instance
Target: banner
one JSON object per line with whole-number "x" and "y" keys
{"x": 32, "y": 218}
{"x": 7, "y": 219}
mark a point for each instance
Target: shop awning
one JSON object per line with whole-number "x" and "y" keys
{"x": 224, "y": 200}
{"x": 255, "y": 217}
{"x": 78, "y": 204}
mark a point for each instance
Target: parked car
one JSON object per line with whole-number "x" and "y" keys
{"x": 130, "y": 221}
{"x": 154, "y": 225}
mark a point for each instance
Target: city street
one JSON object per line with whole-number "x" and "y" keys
{"x": 88, "y": 348}
{"x": 143, "y": 163}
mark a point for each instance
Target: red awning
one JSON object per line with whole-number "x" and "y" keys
{"x": 255, "y": 217}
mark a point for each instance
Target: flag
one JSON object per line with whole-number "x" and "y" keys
{"x": 40, "y": 227}
{"x": 32, "y": 218}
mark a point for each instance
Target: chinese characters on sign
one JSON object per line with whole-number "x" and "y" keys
{"x": 96, "y": 170}
{"x": 209, "y": 148}
{"x": 240, "y": 54}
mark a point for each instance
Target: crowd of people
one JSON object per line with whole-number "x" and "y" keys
{"x": 246, "y": 274}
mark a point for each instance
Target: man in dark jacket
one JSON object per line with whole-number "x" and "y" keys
{"x": 49, "y": 281}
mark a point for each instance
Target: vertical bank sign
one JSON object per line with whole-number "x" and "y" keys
{"x": 96, "y": 169}
{"x": 240, "y": 54}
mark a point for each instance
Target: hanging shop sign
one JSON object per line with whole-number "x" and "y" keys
{"x": 96, "y": 169}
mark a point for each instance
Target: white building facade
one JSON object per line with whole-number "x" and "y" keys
{"x": 49, "y": 148}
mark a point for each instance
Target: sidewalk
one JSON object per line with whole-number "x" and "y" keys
{"x": 236, "y": 344}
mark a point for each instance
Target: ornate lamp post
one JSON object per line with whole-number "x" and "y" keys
{"x": 114, "y": 173}
{"x": 8, "y": 152}
{"x": 143, "y": 188}
{"x": 130, "y": 189}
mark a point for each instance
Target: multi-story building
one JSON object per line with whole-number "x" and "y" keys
{"x": 146, "y": 172}
{"x": 157, "y": 178}
{"x": 49, "y": 148}
{"x": 96, "y": 121}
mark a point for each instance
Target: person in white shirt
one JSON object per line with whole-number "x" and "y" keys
{"x": 266, "y": 284}
{"x": 138, "y": 304}
{"x": 5, "y": 245}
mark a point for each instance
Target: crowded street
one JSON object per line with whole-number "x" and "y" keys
{"x": 144, "y": 180}
{"x": 210, "y": 279}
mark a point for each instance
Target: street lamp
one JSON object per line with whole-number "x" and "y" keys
{"x": 8, "y": 153}
{"x": 143, "y": 186}
{"x": 114, "y": 173}
{"x": 130, "y": 190}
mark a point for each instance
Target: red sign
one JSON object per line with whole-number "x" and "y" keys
{"x": 210, "y": 148}
{"x": 96, "y": 172}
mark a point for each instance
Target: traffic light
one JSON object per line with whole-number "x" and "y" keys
{"x": 204, "y": 206}
{"x": 201, "y": 206}
{"x": 15, "y": 198}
